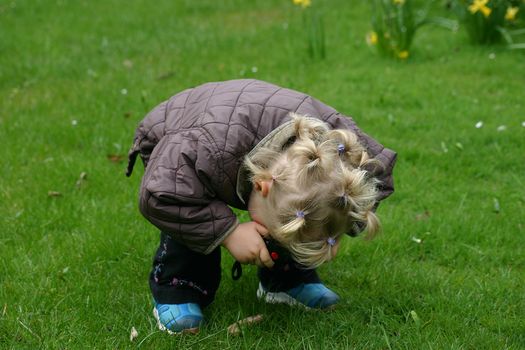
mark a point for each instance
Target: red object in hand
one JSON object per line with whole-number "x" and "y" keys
{"x": 274, "y": 255}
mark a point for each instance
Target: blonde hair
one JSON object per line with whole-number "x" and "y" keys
{"x": 320, "y": 189}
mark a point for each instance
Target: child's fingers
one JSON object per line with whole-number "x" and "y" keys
{"x": 263, "y": 231}
{"x": 265, "y": 258}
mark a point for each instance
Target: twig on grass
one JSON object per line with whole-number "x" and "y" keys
{"x": 235, "y": 328}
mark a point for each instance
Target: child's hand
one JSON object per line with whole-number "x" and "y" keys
{"x": 246, "y": 245}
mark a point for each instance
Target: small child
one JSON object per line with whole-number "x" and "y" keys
{"x": 306, "y": 174}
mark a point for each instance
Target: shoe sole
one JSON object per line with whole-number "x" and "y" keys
{"x": 164, "y": 329}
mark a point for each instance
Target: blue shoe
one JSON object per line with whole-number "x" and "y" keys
{"x": 177, "y": 318}
{"x": 309, "y": 295}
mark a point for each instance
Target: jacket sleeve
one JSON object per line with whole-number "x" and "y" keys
{"x": 147, "y": 135}
{"x": 177, "y": 196}
{"x": 385, "y": 156}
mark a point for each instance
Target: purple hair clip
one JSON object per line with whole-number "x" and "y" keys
{"x": 341, "y": 149}
{"x": 300, "y": 214}
{"x": 331, "y": 241}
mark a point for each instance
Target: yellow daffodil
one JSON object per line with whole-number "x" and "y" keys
{"x": 371, "y": 38}
{"x": 480, "y": 5}
{"x": 403, "y": 54}
{"x": 303, "y": 3}
{"x": 399, "y": 2}
{"x": 511, "y": 13}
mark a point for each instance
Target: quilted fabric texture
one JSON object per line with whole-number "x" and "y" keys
{"x": 193, "y": 144}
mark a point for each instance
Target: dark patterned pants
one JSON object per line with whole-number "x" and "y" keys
{"x": 180, "y": 275}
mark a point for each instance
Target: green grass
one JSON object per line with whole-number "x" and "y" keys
{"x": 73, "y": 268}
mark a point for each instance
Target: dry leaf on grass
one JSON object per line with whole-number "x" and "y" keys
{"x": 127, "y": 63}
{"x": 134, "y": 334}
{"x": 166, "y": 75}
{"x": 81, "y": 179}
{"x": 115, "y": 158}
{"x": 423, "y": 216}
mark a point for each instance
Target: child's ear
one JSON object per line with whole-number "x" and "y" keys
{"x": 263, "y": 187}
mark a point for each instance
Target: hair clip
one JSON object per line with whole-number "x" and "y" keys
{"x": 341, "y": 149}
{"x": 300, "y": 214}
{"x": 331, "y": 241}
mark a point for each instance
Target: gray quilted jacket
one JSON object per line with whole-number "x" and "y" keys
{"x": 193, "y": 145}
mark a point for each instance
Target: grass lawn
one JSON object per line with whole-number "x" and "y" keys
{"x": 448, "y": 271}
